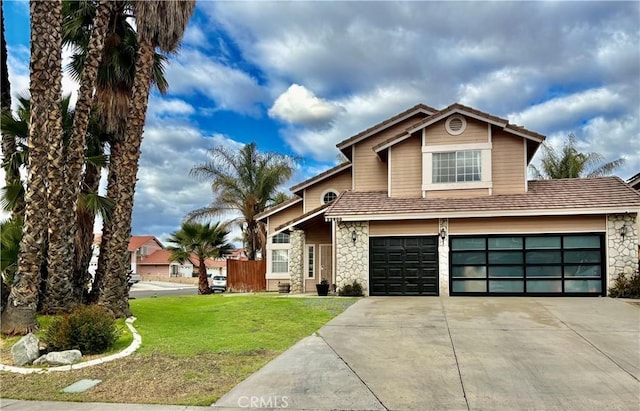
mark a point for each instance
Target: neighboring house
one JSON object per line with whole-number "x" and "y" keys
{"x": 634, "y": 181}
{"x": 141, "y": 247}
{"x": 437, "y": 202}
{"x": 238, "y": 254}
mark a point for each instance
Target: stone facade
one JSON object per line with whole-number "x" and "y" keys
{"x": 622, "y": 251}
{"x": 352, "y": 257}
{"x": 296, "y": 261}
{"x": 443, "y": 258}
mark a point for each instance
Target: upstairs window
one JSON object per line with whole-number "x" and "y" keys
{"x": 280, "y": 238}
{"x": 456, "y": 167}
{"x": 329, "y": 197}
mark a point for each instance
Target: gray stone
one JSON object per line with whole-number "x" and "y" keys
{"x": 26, "y": 350}
{"x": 59, "y": 358}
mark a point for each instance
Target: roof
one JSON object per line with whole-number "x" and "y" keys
{"x": 274, "y": 209}
{"x": 137, "y": 241}
{"x": 545, "y": 197}
{"x": 304, "y": 217}
{"x": 634, "y": 181}
{"x": 326, "y": 174}
{"x": 418, "y": 108}
{"x": 159, "y": 257}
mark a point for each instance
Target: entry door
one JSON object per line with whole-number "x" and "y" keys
{"x": 326, "y": 263}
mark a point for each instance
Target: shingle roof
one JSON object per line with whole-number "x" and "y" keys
{"x": 606, "y": 193}
{"x": 304, "y": 216}
{"x": 413, "y": 110}
{"x": 159, "y": 257}
{"x": 138, "y": 241}
{"x": 277, "y": 207}
{"x": 321, "y": 176}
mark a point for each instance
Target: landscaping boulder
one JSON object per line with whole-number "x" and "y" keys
{"x": 26, "y": 350}
{"x": 59, "y": 358}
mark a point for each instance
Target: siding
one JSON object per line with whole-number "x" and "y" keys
{"x": 318, "y": 233}
{"x": 370, "y": 174}
{"x": 549, "y": 224}
{"x": 472, "y": 192}
{"x": 283, "y": 216}
{"x": 338, "y": 182}
{"x": 405, "y": 227}
{"x": 507, "y": 158}
{"x": 476, "y": 132}
{"x": 406, "y": 168}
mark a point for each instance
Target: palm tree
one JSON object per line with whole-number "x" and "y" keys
{"x": 570, "y": 163}
{"x": 202, "y": 240}
{"x": 159, "y": 24}
{"x": 19, "y": 316}
{"x": 247, "y": 182}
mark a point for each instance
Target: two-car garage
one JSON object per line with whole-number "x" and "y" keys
{"x": 552, "y": 265}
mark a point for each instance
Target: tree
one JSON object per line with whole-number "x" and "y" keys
{"x": 570, "y": 163}
{"x": 159, "y": 24}
{"x": 202, "y": 240}
{"x": 247, "y": 182}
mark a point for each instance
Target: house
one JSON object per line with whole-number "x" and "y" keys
{"x": 437, "y": 202}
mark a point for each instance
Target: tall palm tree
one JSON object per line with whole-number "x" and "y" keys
{"x": 19, "y": 316}
{"x": 202, "y": 240}
{"x": 159, "y": 24}
{"x": 570, "y": 163}
{"x": 247, "y": 182}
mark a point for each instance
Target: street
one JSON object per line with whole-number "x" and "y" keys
{"x": 146, "y": 289}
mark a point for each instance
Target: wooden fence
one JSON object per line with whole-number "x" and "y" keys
{"x": 243, "y": 275}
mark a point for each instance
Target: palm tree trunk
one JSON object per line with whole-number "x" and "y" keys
{"x": 203, "y": 283}
{"x": 65, "y": 178}
{"x": 45, "y": 87}
{"x": 124, "y": 165}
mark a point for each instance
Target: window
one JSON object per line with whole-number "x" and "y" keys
{"x": 280, "y": 238}
{"x": 174, "y": 270}
{"x": 456, "y": 167}
{"x": 329, "y": 197}
{"x": 279, "y": 261}
{"x": 311, "y": 261}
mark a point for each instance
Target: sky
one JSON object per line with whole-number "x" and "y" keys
{"x": 298, "y": 77}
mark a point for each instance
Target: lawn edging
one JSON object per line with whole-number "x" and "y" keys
{"x": 133, "y": 347}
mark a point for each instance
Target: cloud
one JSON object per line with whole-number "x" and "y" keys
{"x": 159, "y": 107}
{"x": 298, "y": 105}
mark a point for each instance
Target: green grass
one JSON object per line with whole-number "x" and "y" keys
{"x": 194, "y": 349}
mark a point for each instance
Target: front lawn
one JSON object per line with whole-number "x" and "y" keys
{"x": 194, "y": 349}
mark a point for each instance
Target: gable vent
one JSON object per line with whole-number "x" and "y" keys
{"x": 455, "y": 125}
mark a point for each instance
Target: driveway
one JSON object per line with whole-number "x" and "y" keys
{"x": 459, "y": 354}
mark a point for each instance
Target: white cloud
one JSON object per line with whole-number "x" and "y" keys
{"x": 298, "y": 105}
{"x": 169, "y": 107}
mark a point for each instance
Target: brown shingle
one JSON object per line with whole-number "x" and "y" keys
{"x": 564, "y": 194}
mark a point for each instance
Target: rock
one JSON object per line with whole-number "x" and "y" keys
{"x": 59, "y": 358}
{"x": 26, "y": 350}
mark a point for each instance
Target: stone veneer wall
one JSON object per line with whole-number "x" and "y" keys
{"x": 622, "y": 252}
{"x": 352, "y": 258}
{"x": 296, "y": 260}
{"x": 443, "y": 258}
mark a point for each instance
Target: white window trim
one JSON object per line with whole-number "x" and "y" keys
{"x": 270, "y": 275}
{"x": 325, "y": 192}
{"x": 306, "y": 262}
{"x": 485, "y": 167}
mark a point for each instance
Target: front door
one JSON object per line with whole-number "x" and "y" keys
{"x": 326, "y": 263}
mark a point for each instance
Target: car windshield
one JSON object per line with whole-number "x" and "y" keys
{"x": 218, "y": 278}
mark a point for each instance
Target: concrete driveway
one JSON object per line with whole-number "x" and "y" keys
{"x": 459, "y": 354}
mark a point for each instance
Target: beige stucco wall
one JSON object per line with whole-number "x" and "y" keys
{"x": 153, "y": 271}
{"x": 405, "y": 160}
{"x": 338, "y": 183}
{"x": 508, "y": 163}
{"x": 550, "y": 224}
{"x": 404, "y": 227}
{"x": 476, "y": 132}
{"x": 370, "y": 173}
{"x": 283, "y": 216}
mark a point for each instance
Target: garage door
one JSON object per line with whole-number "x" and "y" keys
{"x": 558, "y": 264}
{"x": 403, "y": 265}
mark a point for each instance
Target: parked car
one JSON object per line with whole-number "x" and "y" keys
{"x": 219, "y": 283}
{"x": 133, "y": 278}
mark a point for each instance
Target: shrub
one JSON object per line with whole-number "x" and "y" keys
{"x": 351, "y": 290}
{"x": 626, "y": 287}
{"x": 88, "y": 328}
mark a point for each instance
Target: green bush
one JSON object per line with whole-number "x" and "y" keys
{"x": 88, "y": 328}
{"x": 351, "y": 290}
{"x": 626, "y": 287}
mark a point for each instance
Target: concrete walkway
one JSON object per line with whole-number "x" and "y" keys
{"x": 459, "y": 354}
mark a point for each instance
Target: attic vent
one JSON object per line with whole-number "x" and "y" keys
{"x": 455, "y": 125}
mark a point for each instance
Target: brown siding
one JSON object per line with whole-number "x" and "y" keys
{"x": 338, "y": 182}
{"x": 472, "y": 192}
{"x": 283, "y": 216}
{"x": 507, "y": 158}
{"x": 406, "y": 168}
{"x": 405, "y": 227}
{"x": 370, "y": 174}
{"x": 476, "y": 132}
{"x": 527, "y": 224}
{"x": 318, "y": 233}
